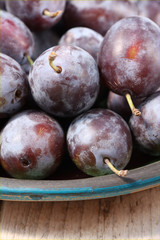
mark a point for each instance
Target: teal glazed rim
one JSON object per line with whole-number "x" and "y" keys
{"x": 138, "y": 179}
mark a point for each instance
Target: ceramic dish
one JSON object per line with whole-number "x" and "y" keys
{"x": 80, "y": 187}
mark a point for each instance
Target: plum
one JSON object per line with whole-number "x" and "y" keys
{"x": 64, "y": 81}
{"x": 97, "y": 15}
{"x": 32, "y": 145}
{"x": 99, "y": 138}
{"x": 84, "y": 38}
{"x": 37, "y": 15}
{"x": 14, "y": 86}
{"x": 145, "y": 129}
{"x": 150, "y": 9}
{"x": 16, "y": 39}
{"x": 129, "y": 58}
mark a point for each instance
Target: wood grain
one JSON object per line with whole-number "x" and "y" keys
{"x": 134, "y": 216}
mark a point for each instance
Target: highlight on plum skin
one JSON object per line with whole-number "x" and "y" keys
{"x": 100, "y": 142}
{"x": 129, "y": 58}
{"x": 32, "y": 145}
{"x": 16, "y": 39}
{"x": 14, "y": 87}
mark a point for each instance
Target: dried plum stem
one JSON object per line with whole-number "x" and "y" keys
{"x": 47, "y": 13}
{"x": 134, "y": 110}
{"x": 121, "y": 173}
{"x": 51, "y": 58}
{"x": 29, "y": 59}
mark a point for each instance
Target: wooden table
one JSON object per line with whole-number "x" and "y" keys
{"x": 135, "y": 216}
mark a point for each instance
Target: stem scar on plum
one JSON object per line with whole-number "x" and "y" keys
{"x": 25, "y": 161}
{"x": 47, "y": 13}
{"x": 51, "y": 58}
{"x": 121, "y": 173}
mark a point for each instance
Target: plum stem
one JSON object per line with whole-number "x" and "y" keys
{"x": 29, "y": 59}
{"x": 47, "y": 13}
{"x": 51, "y": 58}
{"x": 121, "y": 173}
{"x": 134, "y": 110}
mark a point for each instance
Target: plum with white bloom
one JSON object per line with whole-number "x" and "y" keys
{"x": 99, "y": 140}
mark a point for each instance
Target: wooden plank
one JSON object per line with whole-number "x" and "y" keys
{"x": 134, "y": 216}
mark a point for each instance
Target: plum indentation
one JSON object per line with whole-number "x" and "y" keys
{"x": 18, "y": 93}
{"x": 25, "y": 161}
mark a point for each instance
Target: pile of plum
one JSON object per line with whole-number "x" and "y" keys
{"x": 79, "y": 87}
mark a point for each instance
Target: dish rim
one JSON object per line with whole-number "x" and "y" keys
{"x": 138, "y": 179}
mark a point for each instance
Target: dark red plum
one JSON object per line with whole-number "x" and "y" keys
{"x": 150, "y": 9}
{"x": 37, "y": 15}
{"x": 146, "y": 128}
{"x": 16, "y": 39}
{"x": 97, "y": 136}
{"x": 66, "y": 85}
{"x": 32, "y": 145}
{"x": 83, "y": 37}
{"x": 14, "y": 86}
{"x": 97, "y": 15}
{"x": 129, "y": 57}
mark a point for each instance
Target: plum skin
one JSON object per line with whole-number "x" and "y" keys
{"x": 145, "y": 128}
{"x": 129, "y": 57}
{"x": 32, "y": 145}
{"x": 97, "y": 15}
{"x": 70, "y": 92}
{"x": 31, "y": 12}
{"x": 96, "y": 135}
{"x": 83, "y": 37}
{"x": 14, "y": 86}
{"x": 16, "y": 38}
{"x": 149, "y": 9}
